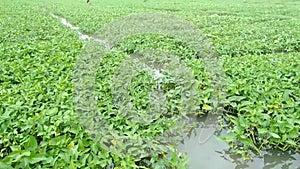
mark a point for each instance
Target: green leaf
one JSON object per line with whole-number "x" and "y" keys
{"x": 31, "y": 143}
{"x": 247, "y": 141}
{"x": 5, "y": 166}
{"x": 274, "y": 135}
{"x": 291, "y": 142}
{"x": 236, "y": 98}
{"x": 52, "y": 111}
{"x": 57, "y": 140}
{"x": 39, "y": 157}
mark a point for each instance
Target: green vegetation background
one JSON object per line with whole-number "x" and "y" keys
{"x": 258, "y": 42}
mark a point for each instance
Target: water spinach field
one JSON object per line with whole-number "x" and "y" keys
{"x": 121, "y": 83}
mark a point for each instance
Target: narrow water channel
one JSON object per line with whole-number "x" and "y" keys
{"x": 82, "y": 36}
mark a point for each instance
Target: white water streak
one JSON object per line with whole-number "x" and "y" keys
{"x": 82, "y": 36}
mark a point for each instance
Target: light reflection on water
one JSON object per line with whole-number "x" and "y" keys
{"x": 213, "y": 154}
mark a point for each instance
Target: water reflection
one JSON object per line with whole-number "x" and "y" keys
{"x": 213, "y": 153}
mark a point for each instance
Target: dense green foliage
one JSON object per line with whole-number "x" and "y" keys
{"x": 258, "y": 42}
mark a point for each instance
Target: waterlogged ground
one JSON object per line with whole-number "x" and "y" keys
{"x": 213, "y": 152}
{"x": 258, "y": 43}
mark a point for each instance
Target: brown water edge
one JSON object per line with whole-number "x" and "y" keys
{"x": 206, "y": 151}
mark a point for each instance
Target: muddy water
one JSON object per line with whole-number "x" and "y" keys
{"x": 212, "y": 153}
